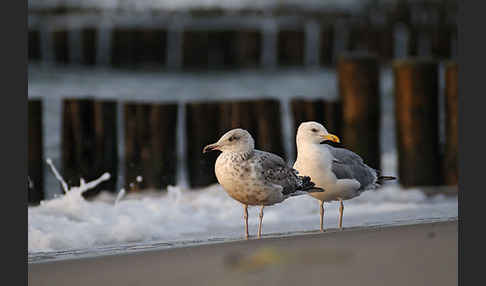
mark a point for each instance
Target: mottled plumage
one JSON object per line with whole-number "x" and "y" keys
{"x": 259, "y": 178}
{"x": 255, "y": 177}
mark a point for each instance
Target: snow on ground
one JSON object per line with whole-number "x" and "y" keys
{"x": 70, "y": 222}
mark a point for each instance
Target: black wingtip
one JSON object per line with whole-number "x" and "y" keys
{"x": 314, "y": 190}
{"x": 309, "y": 186}
{"x": 386, "y": 178}
{"x": 382, "y": 179}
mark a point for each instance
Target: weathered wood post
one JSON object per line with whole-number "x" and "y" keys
{"x": 150, "y": 47}
{"x": 34, "y": 49}
{"x": 246, "y": 48}
{"x": 35, "y": 153}
{"x": 122, "y": 49}
{"x": 220, "y": 52}
{"x": 326, "y": 45}
{"x": 61, "y": 46}
{"x": 88, "y": 48}
{"x": 380, "y": 41}
{"x": 328, "y": 113}
{"x": 89, "y": 142}
{"x": 323, "y": 111}
{"x": 359, "y": 33}
{"x": 202, "y": 128}
{"x": 260, "y": 117}
{"x": 267, "y": 126}
{"x": 291, "y": 47}
{"x": 441, "y": 41}
{"x": 450, "y": 170}
{"x": 150, "y": 144}
{"x": 207, "y": 122}
{"x": 106, "y": 134}
{"x": 416, "y": 113}
{"x": 359, "y": 90}
{"x": 195, "y": 50}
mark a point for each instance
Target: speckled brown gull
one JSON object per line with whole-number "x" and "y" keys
{"x": 255, "y": 177}
{"x": 342, "y": 173}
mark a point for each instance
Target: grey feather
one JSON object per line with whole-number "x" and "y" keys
{"x": 274, "y": 170}
{"x": 349, "y": 165}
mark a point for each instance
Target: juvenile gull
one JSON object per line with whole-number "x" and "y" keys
{"x": 255, "y": 177}
{"x": 342, "y": 173}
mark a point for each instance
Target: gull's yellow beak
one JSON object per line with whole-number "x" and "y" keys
{"x": 331, "y": 137}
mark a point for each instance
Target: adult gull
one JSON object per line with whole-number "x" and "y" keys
{"x": 255, "y": 177}
{"x": 339, "y": 171}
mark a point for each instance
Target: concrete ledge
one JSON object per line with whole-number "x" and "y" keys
{"x": 422, "y": 254}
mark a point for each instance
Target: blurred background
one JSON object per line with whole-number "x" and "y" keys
{"x": 138, "y": 88}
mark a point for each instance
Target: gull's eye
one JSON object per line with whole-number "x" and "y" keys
{"x": 231, "y": 139}
{"x": 314, "y": 130}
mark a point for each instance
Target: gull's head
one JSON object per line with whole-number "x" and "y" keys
{"x": 235, "y": 140}
{"x": 314, "y": 133}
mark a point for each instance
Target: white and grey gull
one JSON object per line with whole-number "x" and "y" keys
{"x": 255, "y": 177}
{"x": 341, "y": 172}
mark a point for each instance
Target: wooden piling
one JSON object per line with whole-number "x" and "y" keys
{"x": 35, "y": 153}
{"x": 220, "y": 49}
{"x": 359, "y": 90}
{"x": 260, "y": 117}
{"x": 328, "y": 113}
{"x": 326, "y": 45}
{"x": 246, "y": 48}
{"x": 413, "y": 43}
{"x": 122, "y": 48}
{"x": 358, "y": 36}
{"x": 207, "y": 122}
{"x": 376, "y": 39}
{"x": 231, "y": 49}
{"x": 450, "y": 163}
{"x": 150, "y": 47}
{"x": 89, "y": 45}
{"x": 225, "y": 49}
{"x": 89, "y": 142}
{"x": 266, "y": 127}
{"x": 150, "y": 144}
{"x": 416, "y": 113}
{"x": 381, "y": 41}
{"x": 61, "y": 46}
{"x": 195, "y": 49}
{"x": 139, "y": 48}
{"x": 106, "y": 135}
{"x": 441, "y": 41}
{"x": 34, "y": 45}
{"x": 290, "y": 47}
{"x": 202, "y": 128}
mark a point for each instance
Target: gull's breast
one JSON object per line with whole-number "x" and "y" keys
{"x": 242, "y": 183}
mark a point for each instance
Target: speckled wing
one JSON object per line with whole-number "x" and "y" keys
{"x": 275, "y": 171}
{"x": 349, "y": 165}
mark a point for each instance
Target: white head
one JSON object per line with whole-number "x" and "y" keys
{"x": 311, "y": 132}
{"x": 235, "y": 140}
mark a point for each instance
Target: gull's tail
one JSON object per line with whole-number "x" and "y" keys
{"x": 382, "y": 179}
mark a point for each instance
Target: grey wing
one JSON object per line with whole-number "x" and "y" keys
{"x": 349, "y": 165}
{"x": 277, "y": 172}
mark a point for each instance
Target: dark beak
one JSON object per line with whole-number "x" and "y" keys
{"x": 210, "y": 147}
